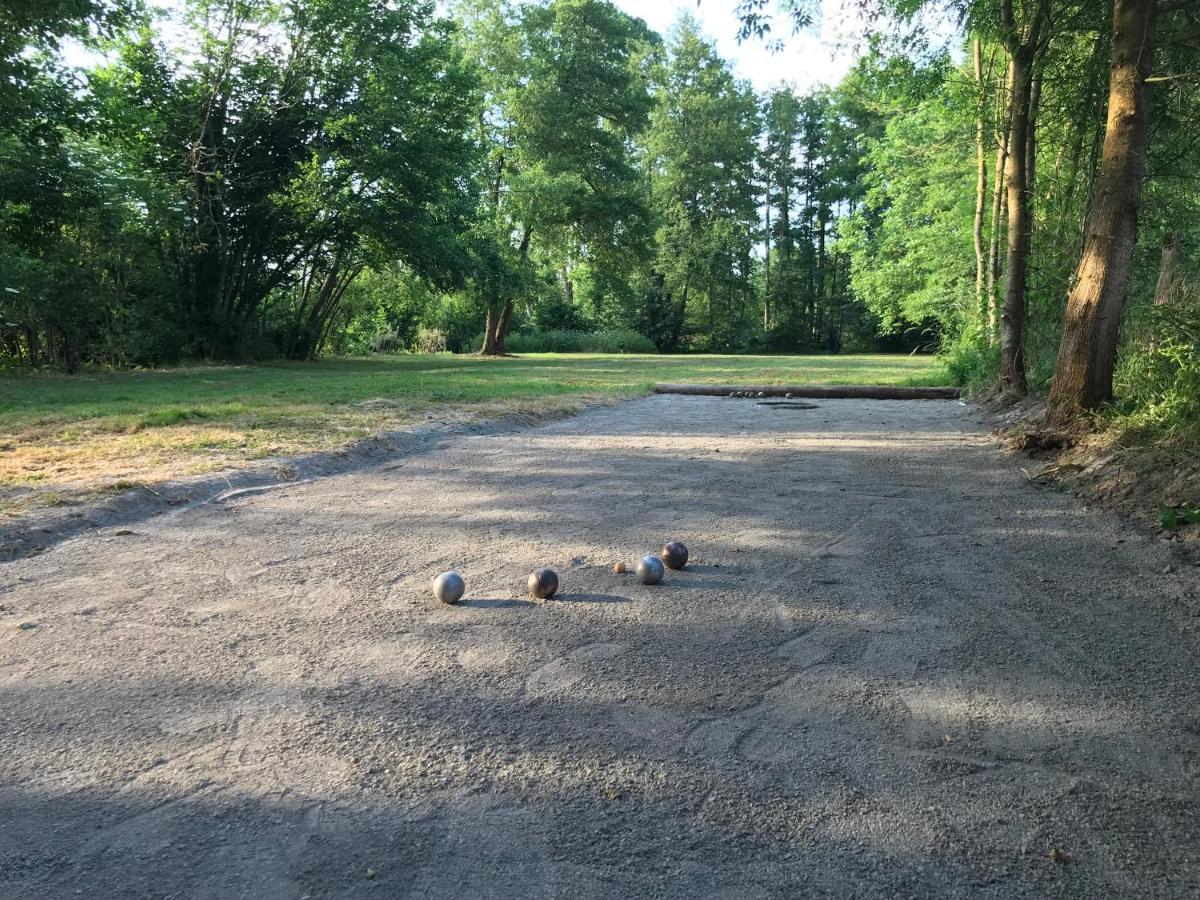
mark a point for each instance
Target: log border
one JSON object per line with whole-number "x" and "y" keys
{"x": 813, "y": 391}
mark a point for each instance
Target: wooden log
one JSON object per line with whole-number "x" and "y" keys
{"x": 826, "y": 392}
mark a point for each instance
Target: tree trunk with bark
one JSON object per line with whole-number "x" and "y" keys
{"x": 980, "y": 182}
{"x": 994, "y": 256}
{"x": 501, "y": 335}
{"x": 498, "y": 317}
{"x": 1024, "y": 43}
{"x": 1166, "y": 269}
{"x": 1012, "y": 312}
{"x": 489, "y": 331}
{"x": 767, "y": 266}
{"x": 1087, "y": 355}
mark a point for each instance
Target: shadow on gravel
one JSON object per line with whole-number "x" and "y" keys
{"x": 897, "y": 673}
{"x": 501, "y": 603}
{"x": 589, "y": 598}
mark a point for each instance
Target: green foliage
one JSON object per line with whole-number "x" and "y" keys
{"x": 429, "y": 340}
{"x": 702, "y": 150}
{"x": 970, "y": 362}
{"x": 1172, "y": 517}
{"x": 301, "y": 178}
{"x": 1158, "y": 376}
{"x": 385, "y": 342}
{"x": 619, "y": 341}
{"x": 910, "y": 239}
{"x": 304, "y": 177}
{"x": 565, "y": 96}
{"x": 220, "y": 202}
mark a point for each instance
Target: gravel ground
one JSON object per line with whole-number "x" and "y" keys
{"x": 894, "y": 669}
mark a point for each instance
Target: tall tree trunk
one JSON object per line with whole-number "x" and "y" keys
{"x": 33, "y": 346}
{"x": 767, "y": 267}
{"x": 568, "y": 285}
{"x": 1166, "y": 269}
{"x": 1031, "y": 192}
{"x": 998, "y": 195}
{"x": 497, "y": 182}
{"x": 489, "y": 331}
{"x": 785, "y": 224}
{"x": 980, "y": 182}
{"x": 681, "y": 317}
{"x": 822, "y": 219}
{"x": 1087, "y": 355}
{"x": 835, "y": 300}
{"x": 501, "y": 334}
{"x": 1012, "y": 313}
{"x": 1031, "y": 144}
{"x": 496, "y": 332}
{"x": 310, "y": 327}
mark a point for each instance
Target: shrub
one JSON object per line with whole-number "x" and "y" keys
{"x": 385, "y": 342}
{"x": 613, "y": 341}
{"x": 429, "y": 340}
{"x": 971, "y": 362}
{"x": 1158, "y": 377}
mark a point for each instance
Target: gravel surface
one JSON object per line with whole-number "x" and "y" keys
{"x": 893, "y": 669}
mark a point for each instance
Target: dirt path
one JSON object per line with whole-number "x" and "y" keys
{"x": 895, "y": 670}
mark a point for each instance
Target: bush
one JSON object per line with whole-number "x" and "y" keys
{"x": 385, "y": 342}
{"x": 971, "y": 362}
{"x": 613, "y": 341}
{"x": 1158, "y": 376}
{"x": 429, "y": 340}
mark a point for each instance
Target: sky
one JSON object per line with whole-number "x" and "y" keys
{"x": 819, "y": 55}
{"x": 822, "y": 54}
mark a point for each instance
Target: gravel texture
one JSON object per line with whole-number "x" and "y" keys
{"x": 892, "y": 669}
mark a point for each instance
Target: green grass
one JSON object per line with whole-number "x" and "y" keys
{"x": 95, "y": 427}
{"x": 172, "y": 396}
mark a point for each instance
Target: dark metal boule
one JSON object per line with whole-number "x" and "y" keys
{"x": 674, "y": 554}
{"x": 543, "y": 583}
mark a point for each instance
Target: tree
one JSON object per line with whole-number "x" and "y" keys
{"x": 1084, "y": 372}
{"x": 1024, "y": 39}
{"x": 65, "y": 248}
{"x": 910, "y": 240}
{"x": 981, "y": 262}
{"x": 780, "y": 174}
{"x": 298, "y": 134}
{"x": 567, "y": 93}
{"x": 702, "y": 152}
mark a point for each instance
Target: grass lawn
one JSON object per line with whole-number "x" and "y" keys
{"x": 61, "y": 436}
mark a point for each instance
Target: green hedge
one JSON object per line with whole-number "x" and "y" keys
{"x": 615, "y": 341}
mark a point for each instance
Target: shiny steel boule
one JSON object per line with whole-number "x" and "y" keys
{"x": 449, "y": 587}
{"x": 543, "y": 583}
{"x": 674, "y": 554}
{"x": 650, "y": 570}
